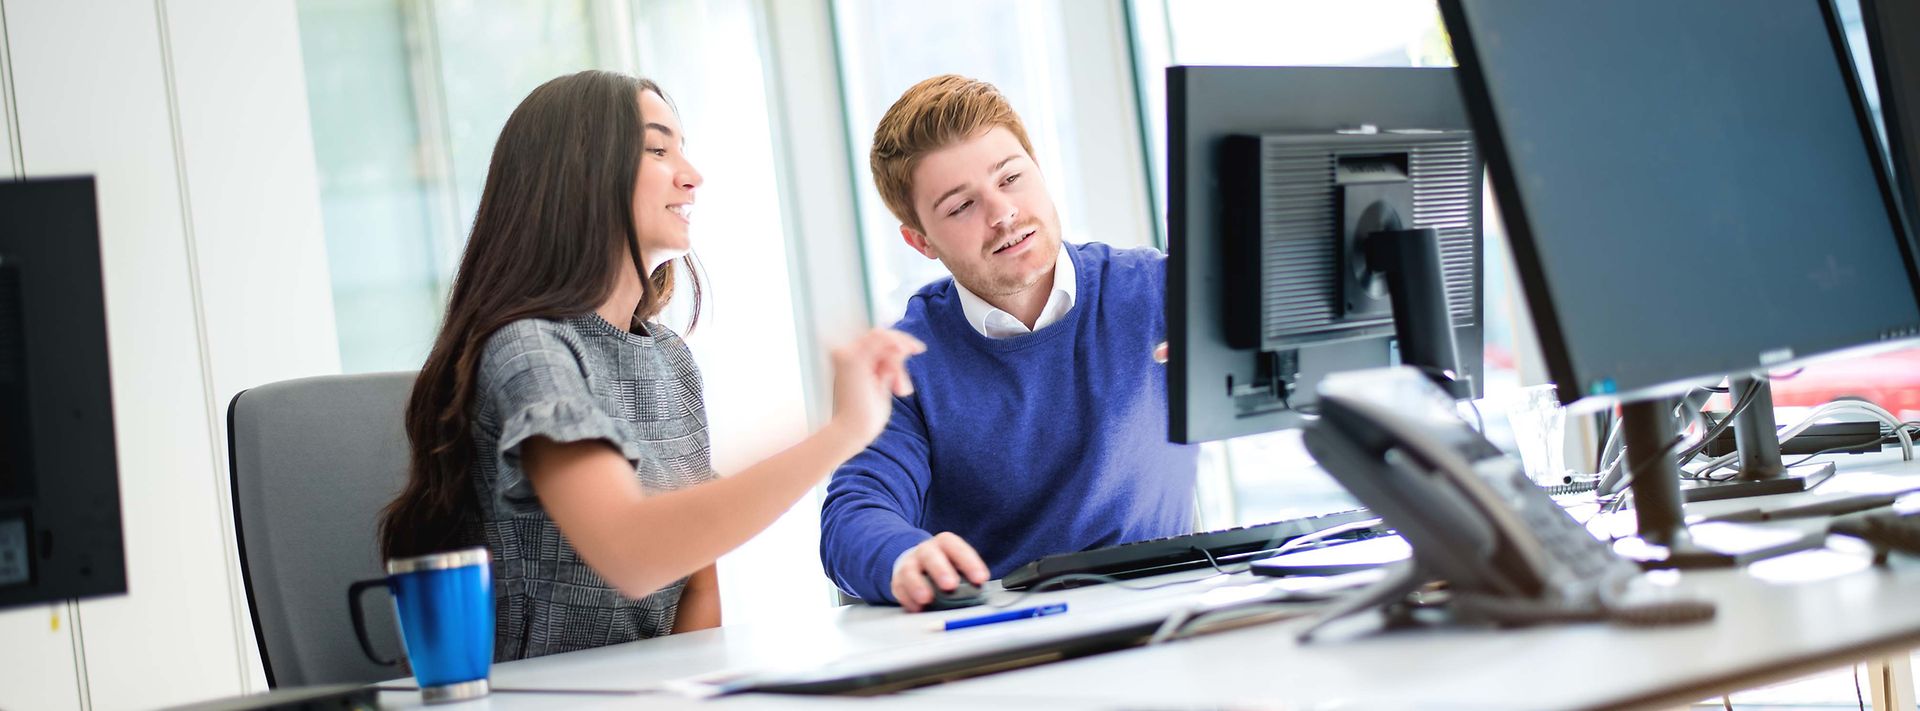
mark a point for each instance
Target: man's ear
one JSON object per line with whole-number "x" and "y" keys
{"x": 917, "y": 241}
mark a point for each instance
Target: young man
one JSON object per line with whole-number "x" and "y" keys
{"x": 1038, "y": 422}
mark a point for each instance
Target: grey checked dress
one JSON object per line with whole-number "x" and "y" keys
{"x": 569, "y": 381}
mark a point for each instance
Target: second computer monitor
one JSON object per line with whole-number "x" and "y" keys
{"x": 1278, "y": 179}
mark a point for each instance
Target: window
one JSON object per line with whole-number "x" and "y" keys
{"x": 384, "y": 234}
{"x": 887, "y": 47}
{"x": 408, "y": 98}
{"x": 1359, "y": 33}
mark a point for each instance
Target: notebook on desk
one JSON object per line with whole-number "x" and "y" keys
{"x": 1110, "y": 622}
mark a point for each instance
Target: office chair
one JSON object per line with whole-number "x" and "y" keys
{"x": 313, "y": 461}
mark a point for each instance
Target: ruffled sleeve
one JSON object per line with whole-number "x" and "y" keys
{"x": 536, "y": 386}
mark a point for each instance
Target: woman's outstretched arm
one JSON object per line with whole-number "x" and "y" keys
{"x": 640, "y": 542}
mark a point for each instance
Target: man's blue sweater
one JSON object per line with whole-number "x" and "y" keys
{"x": 1049, "y": 442}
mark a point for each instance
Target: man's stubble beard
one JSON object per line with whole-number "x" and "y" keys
{"x": 986, "y": 287}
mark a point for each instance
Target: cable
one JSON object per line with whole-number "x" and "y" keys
{"x": 1883, "y": 440}
{"x": 1216, "y": 563}
{"x": 1857, "y": 696}
{"x": 1609, "y": 422}
{"x": 1614, "y": 478}
{"x": 1900, "y": 430}
{"x": 1617, "y": 503}
{"x": 1301, "y": 541}
{"x": 1287, "y": 402}
{"x": 1725, "y": 423}
{"x": 1830, "y": 450}
{"x": 1619, "y": 480}
{"x": 1184, "y": 619}
{"x": 1064, "y": 578}
{"x": 1609, "y": 457}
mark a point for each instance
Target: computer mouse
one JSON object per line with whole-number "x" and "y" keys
{"x": 966, "y": 594}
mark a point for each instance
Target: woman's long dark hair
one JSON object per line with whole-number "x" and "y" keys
{"x": 556, "y": 214}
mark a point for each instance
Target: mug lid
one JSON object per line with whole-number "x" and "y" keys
{"x": 443, "y": 560}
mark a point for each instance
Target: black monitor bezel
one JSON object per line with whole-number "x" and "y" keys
{"x": 1899, "y": 95}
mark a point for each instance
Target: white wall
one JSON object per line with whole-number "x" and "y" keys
{"x": 246, "y": 152}
{"x": 39, "y": 666}
{"x": 92, "y": 98}
{"x": 7, "y": 116}
{"x": 191, "y": 114}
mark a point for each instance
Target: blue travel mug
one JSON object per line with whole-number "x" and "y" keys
{"x": 444, "y": 602}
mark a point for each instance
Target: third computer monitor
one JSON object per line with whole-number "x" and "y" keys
{"x": 1284, "y": 185}
{"x": 1893, "y": 40}
{"x": 1690, "y": 188}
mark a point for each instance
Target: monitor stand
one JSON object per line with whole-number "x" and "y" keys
{"x": 1409, "y": 260}
{"x": 1665, "y": 541}
{"x": 1760, "y": 472}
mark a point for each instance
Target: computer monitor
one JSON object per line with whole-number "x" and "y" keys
{"x": 59, "y": 481}
{"x": 1278, "y": 178}
{"x": 1692, "y": 190}
{"x": 1893, "y": 41}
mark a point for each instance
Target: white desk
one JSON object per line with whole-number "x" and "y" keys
{"x": 1763, "y": 633}
{"x": 1766, "y": 631}
{"x": 850, "y": 633}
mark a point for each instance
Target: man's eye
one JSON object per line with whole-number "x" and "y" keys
{"x": 962, "y": 207}
{"x": 1011, "y": 179}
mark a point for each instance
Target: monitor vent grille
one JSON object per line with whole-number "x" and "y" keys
{"x": 1298, "y": 232}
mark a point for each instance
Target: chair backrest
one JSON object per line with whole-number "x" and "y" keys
{"x": 313, "y": 461}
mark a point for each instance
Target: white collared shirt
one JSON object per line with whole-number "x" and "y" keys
{"x": 992, "y": 322}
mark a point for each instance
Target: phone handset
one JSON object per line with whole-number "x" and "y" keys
{"x": 1428, "y": 433}
{"x": 1519, "y": 560}
{"x": 1471, "y": 516}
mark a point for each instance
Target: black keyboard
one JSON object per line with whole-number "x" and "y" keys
{"x": 1163, "y": 555}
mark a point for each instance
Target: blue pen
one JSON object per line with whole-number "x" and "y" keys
{"x": 1020, "y": 614}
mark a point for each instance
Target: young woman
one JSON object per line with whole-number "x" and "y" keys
{"x": 559, "y": 426}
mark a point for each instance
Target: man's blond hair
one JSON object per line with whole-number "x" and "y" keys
{"x": 934, "y": 114}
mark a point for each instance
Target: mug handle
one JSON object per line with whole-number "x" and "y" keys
{"x": 354, "y": 594}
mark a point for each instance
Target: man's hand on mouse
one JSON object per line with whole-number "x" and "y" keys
{"x": 945, "y": 558}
